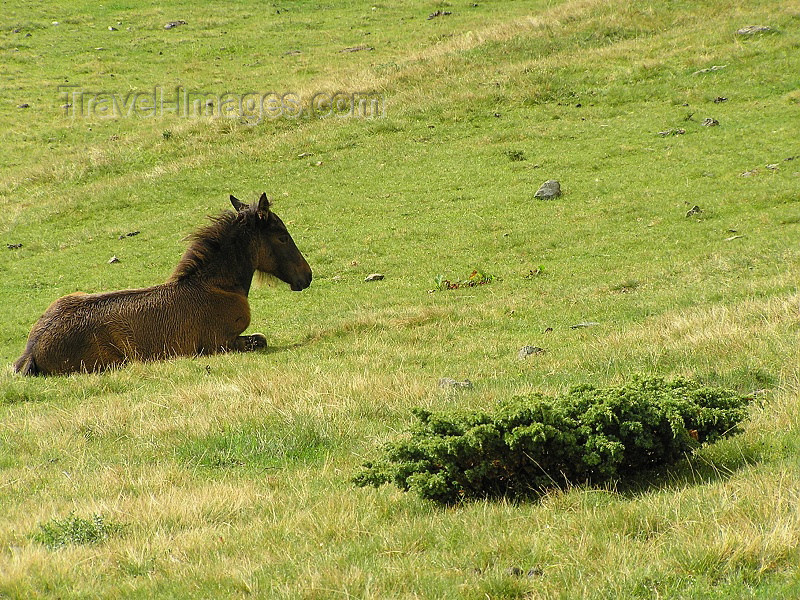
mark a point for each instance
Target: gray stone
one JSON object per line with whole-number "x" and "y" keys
{"x": 374, "y": 277}
{"x": 447, "y": 382}
{"x": 584, "y": 325}
{"x": 526, "y": 351}
{"x": 710, "y": 69}
{"x": 695, "y": 210}
{"x": 753, "y": 29}
{"x": 549, "y": 189}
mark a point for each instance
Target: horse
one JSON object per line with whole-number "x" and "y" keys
{"x": 202, "y": 308}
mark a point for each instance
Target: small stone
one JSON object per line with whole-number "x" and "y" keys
{"x": 753, "y": 29}
{"x": 733, "y": 237}
{"x": 113, "y": 260}
{"x": 720, "y": 99}
{"x": 374, "y": 277}
{"x": 447, "y": 382}
{"x": 439, "y": 13}
{"x": 773, "y": 167}
{"x": 535, "y": 572}
{"x": 709, "y": 122}
{"x": 710, "y": 69}
{"x": 549, "y": 189}
{"x": 24, "y": 105}
{"x": 695, "y": 210}
{"x": 356, "y": 48}
{"x": 584, "y": 325}
{"x": 514, "y": 572}
{"x": 112, "y": 28}
{"x": 174, "y": 24}
{"x": 13, "y": 246}
{"x": 526, "y": 351}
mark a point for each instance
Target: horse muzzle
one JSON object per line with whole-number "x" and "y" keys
{"x": 301, "y": 283}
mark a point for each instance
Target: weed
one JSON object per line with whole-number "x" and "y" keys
{"x": 515, "y": 155}
{"x": 74, "y": 530}
{"x": 477, "y": 277}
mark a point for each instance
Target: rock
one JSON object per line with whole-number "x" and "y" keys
{"x": 753, "y": 29}
{"x": 13, "y": 246}
{"x": 439, "y": 13}
{"x": 526, "y": 351}
{"x": 174, "y": 24}
{"x": 514, "y": 572}
{"x": 374, "y": 277}
{"x": 710, "y": 69}
{"x": 447, "y": 382}
{"x": 112, "y": 28}
{"x": 549, "y": 189}
{"x": 720, "y": 99}
{"x": 357, "y": 48}
{"x": 113, "y": 260}
{"x": 709, "y": 122}
{"x": 695, "y": 210}
{"x": 584, "y": 324}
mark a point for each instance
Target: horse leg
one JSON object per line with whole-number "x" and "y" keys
{"x": 249, "y": 343}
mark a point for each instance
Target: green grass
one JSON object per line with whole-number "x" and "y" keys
{"x": 231, "y": 474}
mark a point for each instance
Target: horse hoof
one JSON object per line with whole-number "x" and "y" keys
{"x": 257, "y": 341}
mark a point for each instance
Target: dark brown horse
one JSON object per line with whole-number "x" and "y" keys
{"x": 202, "y": 308}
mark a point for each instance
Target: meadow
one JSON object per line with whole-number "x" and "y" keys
{"x": 229, "y": 476}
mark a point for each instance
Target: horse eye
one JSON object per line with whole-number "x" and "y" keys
{"x": 283, "y": 238}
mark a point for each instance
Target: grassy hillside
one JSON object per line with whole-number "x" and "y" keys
{"x": 229, "y": 476}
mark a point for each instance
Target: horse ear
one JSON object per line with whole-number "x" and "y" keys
{"x": 236, "y": 204}
{"x": 263, "y": 203}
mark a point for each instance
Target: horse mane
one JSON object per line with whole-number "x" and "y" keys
{"x": 205, "y": 242}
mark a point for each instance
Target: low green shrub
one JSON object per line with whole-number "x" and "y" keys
{"x": 75, "y": 530}
{"x": 529, "y": 444}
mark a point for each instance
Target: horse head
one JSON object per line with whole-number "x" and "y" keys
{"x": 275, "y": 251}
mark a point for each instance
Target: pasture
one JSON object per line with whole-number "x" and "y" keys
{"x": 672, "y": 251}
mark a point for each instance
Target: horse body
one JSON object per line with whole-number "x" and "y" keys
{"x": 201, "y": 309}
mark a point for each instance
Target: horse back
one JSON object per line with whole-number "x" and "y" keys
{"x": 91, "y": 332}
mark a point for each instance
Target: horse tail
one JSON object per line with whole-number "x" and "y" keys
{"x": 26, "y": 365}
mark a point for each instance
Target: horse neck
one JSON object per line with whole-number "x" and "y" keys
{"x": 226, "y": 263}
